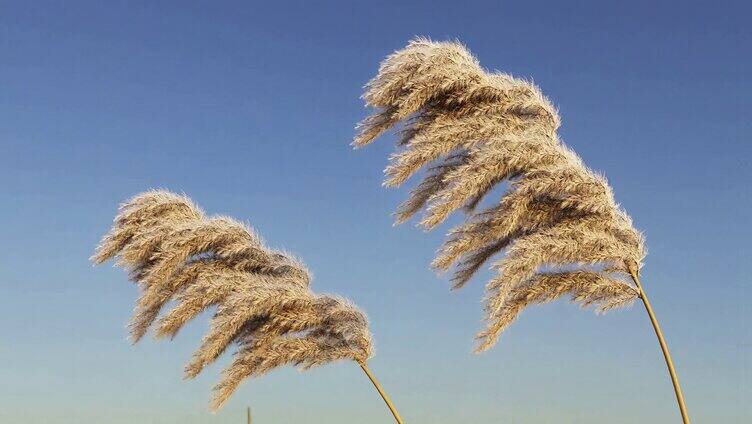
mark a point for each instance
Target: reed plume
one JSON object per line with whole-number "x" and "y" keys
{"x": 558, "y": 226}
{"x": 264, "y": 305}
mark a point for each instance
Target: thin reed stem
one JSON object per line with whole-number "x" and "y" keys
{"x": 384, "y": 396}
{"x": 664, "y": 347}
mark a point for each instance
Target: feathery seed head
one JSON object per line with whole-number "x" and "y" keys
{"x": 263, "y": 301}
{"x": 473, "y": 129}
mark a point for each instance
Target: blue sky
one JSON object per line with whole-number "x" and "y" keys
{"x": 249, "y": 108}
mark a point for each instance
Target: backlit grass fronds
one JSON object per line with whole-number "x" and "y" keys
{"x": 264, "y": 305}
{"x": 558, "y": 223}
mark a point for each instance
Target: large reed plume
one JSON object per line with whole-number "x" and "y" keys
{"x": 263, "y": 301}
{"x": 558, "y": 223}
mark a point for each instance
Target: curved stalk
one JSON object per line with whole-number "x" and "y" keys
{"x": 384, "y": 396}
{"x": 664, "y": 346}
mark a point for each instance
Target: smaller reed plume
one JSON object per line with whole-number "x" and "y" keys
{"x": 264, "y": 305}
{"x": 558, "y": 227}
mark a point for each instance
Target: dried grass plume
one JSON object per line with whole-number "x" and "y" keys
{"x": 470, "y": 130}
{"x": 264, "y": 305}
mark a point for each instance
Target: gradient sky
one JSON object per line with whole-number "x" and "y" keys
{"x": 249, "y": 109}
